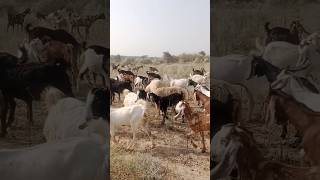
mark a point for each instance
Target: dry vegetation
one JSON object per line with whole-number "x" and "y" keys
{"x": 171, "y": 158}
{"x": 234, "y": 26}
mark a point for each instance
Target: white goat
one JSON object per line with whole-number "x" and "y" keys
{"x": 130, "y": 98}
{"x": 179, "y": 83}
{"x": 198, "y": 78}
{"x": 154, "y": 84}
{"x": 203, "y": 90}
{"x": 179, "y": 110}
{"x": 79, "y": 158}
{"x": 130, "y": 115}
{"x": 66, "y": 115}
{"x": 92, "y": 62}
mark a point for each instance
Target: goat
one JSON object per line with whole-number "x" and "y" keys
{"x": 141, "y": 81}
{"x": 292, "y": 35}
{"x": 286, "y": 108}
{"x": 118, "y": 87}
{"x": 59, "y": 35}
{"x": 203, "y": 89}
{"x": 51, "y": 52}
{"x": 153, "y": 69}
{"x": 179, "y": 109}
{"x": 166, "y": 91}
{"x": 152, "y": 75}
{"x": 95, "y": 59}
{"x": 163, "y": 102}
{"x": 198, "y": 122}
{"x": 17, "y": 19}
{"x": 234, "y": 147}
{"x": 199, "y": 72}
{"x": 125, "y": 72}
{"x": 86, "y": 23}
{"x": 183, "y": 83}
{"x": 115, "y": 67}
{"x": 66, "y": 159}
{"x": 130, "y": 98}
{"x": 142, "y": 94}
{"x": 129, "y": 115}
{"x": 199, "y": 79}
{"x": 137, "y": 68}
{"x": 69, "y": 117}
{"x": 26, "y": 82}
{"x": 200, "y": 97}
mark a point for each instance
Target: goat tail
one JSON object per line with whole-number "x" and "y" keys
{"x": 266, "y": 27}
{"x": 51, "y": 96}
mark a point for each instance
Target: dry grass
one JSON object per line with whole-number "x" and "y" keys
{"x": 234, "y": 27}
{"x": 135, "y": 165}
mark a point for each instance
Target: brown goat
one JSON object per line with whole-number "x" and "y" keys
{"x": 306, "y": 121}
{"x": 199, "y": 122}
{"x": 205, "y": 100}
{"x": 57, "y": 50}
{"x": 234, "y": 147}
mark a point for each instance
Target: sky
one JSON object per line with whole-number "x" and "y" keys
{"x": 150, "y": 27}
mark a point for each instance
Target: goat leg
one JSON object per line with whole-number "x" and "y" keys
{"x": 4, "y": 118}
{"x": 12, "y": 110}
{"x": 284, "y": 131}
{"x": 29, "y": 104}
{"x": 203, "y": 142}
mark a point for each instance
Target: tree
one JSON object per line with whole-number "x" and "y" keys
{"x": 168, "y": 58}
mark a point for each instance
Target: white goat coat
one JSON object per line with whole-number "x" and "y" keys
{"x": 64, "y": 119}
{"x": 70, "y": 159}
{"x": 203, "y": 90}
{"x": 281, "y": 54}
{"x": 130, "y": 99}
{"x": 93, "y": 62}
{"x": 291, "y": 86}
{"x": 198, "y": 79}
{"x": 179, "y": 83}
{"x": 131, "y": 115}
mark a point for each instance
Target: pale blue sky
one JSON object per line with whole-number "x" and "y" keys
{"x": 150, "y": 27}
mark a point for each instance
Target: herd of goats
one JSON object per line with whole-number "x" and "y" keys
{"x": 65, "y": 19}
{"x": 48, "y": 67}
{"x": 162, "y": 91}
{"x": 289, "y": 60}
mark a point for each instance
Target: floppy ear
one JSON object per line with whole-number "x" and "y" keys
{"x": 228, "y": 161}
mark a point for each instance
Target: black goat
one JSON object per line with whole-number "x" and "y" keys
{"x": 192, "y": 83}
{"x": 292, "y": 35}
{"x": 200, "y": 72}
{"x": 26, "y": 82}
{"x": 152, "y": 75}
{"x": 166, "y": 101}
{"x": 119, "y": 86}
{"x": 224, "y": 113}
{"x": 124, "y": 72}
{"x": 142, "y": 94}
